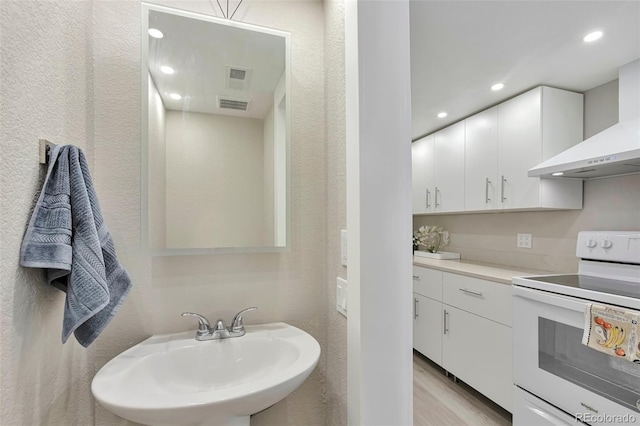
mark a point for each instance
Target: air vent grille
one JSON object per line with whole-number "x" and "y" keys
{"x": 233, "y": 104}
{"x": 237, "y": 74}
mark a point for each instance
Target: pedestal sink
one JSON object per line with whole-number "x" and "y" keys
{"x": 173, "y": 379}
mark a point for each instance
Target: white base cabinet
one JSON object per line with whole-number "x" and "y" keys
{"x": 427, "y": 313}
{"x": 464, "y": 325}
{"x": 427, "y": 327}
{"x": 478, "y": 351}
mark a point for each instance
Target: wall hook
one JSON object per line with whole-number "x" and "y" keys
{"x": 45, "y": 150}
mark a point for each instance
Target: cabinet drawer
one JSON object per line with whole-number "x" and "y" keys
{"x": 485, "y": 298}
{"x": 427, "y": 282}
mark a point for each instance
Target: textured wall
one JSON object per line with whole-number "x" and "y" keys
{"x": 46, "y": 92}
{"x": 609, "y": 204}
{"x": 285, "y": 286}
{"x": 214, "y": 180}
{"x": 336, "y": 180}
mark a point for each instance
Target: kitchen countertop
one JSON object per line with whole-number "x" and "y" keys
{"x": 487, "y": 271}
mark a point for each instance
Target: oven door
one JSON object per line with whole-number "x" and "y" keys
{"x": 550, "y": 361}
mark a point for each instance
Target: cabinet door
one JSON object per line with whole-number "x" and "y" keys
{"x": 481, "y": 161}
{"x": 519, "y": 149}
{"x": 427, "y": 327}
{"x": 449, "y": 169}
{"x": 422, "y": 174}
{"x": 478, "y": 351}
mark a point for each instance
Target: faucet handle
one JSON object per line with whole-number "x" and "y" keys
{"x": 236, "y": 324}
{"x": 204, "y": 327}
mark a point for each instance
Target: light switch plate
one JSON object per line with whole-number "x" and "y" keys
{"x": 343, "y": 247}
{"x": 341, "y": 296}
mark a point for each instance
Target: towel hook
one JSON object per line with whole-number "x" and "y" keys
{"x": 45, "y": 150}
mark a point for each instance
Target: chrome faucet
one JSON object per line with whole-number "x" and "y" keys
{"x": 220, "y": 330}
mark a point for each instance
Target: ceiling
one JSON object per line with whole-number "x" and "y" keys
{"x": 200, "y": 52}
{"x": 459, "y": 49}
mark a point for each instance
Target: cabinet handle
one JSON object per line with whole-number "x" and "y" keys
{"x": 502, "y": 189}
{"x": 416, "y": 277}
{"x": 437, "y": 191}
{"x": 475, "y": 293}
{"x": 444, "y": 320}
{"x": 486, "y": 191}
{"x": 428, "y": 199}
{"x": 415, "y": 308}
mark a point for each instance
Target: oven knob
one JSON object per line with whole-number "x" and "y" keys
{"x": 607, "y": 244}
{"x": 591, "y": 243}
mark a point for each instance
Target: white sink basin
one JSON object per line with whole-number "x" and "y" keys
{"x": 173, "y": 379}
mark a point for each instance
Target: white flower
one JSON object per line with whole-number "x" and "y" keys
{"x": 433, "y": 238}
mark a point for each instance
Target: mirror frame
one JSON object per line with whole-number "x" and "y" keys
{"x": 144, "y": 135}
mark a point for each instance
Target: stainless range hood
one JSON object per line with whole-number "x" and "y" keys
{"x": 614, "y": 151}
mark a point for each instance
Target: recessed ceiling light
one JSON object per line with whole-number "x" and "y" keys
{"x": 592, "y": 36}
{"x": 155, "y": 33}
{"x": 497, "y": 86}
{"x": 167, "y": 69}
{"x": 175, "y": 96}
{"x": 442, "y": 115}
{"x": 557, "y": 174}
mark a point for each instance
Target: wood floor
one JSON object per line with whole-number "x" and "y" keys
{"x": 438, "y": 401}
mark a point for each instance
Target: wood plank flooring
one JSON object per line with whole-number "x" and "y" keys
{"x": 438, "y": 401}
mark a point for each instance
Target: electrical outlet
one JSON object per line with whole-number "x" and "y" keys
{"x": 525, "y": 240}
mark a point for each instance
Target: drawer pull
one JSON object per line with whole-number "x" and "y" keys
{"x": 475, "y": 293}
{"x": 415, "y": 308}
{"x": 416, "y": 277}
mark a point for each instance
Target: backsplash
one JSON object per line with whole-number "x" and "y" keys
{"x": 609, "y": 204}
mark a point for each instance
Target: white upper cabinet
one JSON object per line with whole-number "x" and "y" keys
{"x": 481, "y": 161}
{"x": 422, "y": 174}
{"x": 533, "y": 127}
{"x": 449, "y": 169}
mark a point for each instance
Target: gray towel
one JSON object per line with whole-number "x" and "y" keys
{"x": 67, "y": 236}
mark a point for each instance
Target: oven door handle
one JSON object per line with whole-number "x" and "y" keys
{"x": 564, "y": 302}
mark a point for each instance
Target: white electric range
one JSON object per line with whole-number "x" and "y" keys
{"x": 558, "y": 380}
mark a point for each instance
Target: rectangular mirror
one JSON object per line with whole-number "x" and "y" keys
{"x": 215, "y": 134}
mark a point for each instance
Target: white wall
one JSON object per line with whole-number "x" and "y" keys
{"x": 158, "y": 173}
{"x": 46, "y": 92}
{"x": 609, "y": 204}
{"x": 379, "y": 213}
{"x": 285, "y": 286}
{"x": 600, "y": 108}
{"x": 214, "y": 181}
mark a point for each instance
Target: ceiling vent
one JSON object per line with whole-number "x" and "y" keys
{"x": 235, "y": 104}
{"x": 237, "y": 78}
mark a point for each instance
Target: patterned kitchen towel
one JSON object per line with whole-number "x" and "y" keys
{"x": 68, "y": 238}
{"x": 612, "y": 330}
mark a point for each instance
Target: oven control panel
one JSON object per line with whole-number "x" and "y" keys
{"x": 610, "y": 246}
